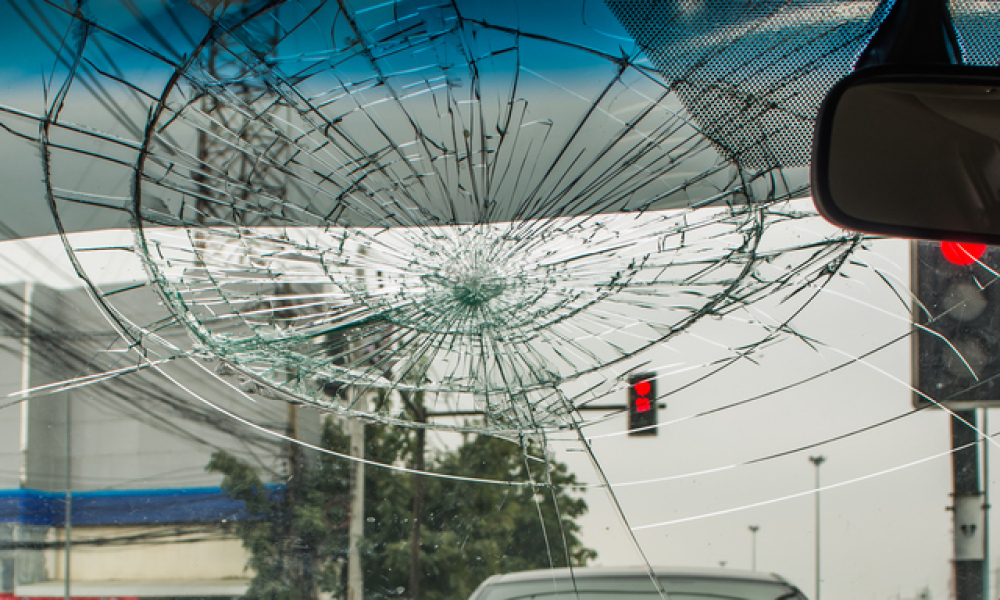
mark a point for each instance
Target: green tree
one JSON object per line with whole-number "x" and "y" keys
{"x": 467, "y": 531}
{"x": 294, "y": 538}
{"x": 476, "y": 530}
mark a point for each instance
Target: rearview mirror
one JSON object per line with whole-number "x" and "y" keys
{"x": 912, "y": 152}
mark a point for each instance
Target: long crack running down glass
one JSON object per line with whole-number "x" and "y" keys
{"x": 469, "y": 219}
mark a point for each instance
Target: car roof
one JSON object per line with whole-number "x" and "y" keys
{"x": 633, "y": 571}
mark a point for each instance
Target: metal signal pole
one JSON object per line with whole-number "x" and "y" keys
{"x": 986, "y": 505}
{"x": 968, "y": 507}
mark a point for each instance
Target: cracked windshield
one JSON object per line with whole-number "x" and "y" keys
{"x": 451, "y": 299}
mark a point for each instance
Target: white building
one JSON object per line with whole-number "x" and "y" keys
{"x": 145, "y": 518}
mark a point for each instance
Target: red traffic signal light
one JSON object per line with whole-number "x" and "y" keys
{"x": 962, "y": 254}
{"x": 642, "y": 404}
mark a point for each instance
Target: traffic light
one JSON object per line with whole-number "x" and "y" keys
{"x": 956, "y": 351}
{"x": 642, "y": 404}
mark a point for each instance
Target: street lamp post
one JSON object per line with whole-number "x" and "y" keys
{"x": 753, "y": 546}
{"x": 817, "y": 460}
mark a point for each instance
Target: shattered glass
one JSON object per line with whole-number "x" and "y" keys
{"x": 447, "y": 193}
{"x": 506, "y": 210}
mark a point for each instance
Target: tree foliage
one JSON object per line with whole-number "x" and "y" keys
{"x": 297, "y": 534}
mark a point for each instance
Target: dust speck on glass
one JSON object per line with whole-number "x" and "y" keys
{"x": 424, "y": 246}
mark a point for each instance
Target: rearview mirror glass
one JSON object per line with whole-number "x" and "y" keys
{"x": 912, "y": 153}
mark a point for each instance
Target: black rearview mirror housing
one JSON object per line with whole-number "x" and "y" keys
{"x": 912, "y": 151}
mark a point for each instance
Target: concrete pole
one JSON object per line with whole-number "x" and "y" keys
{"x": 356, "y": 527}
{"x": 753, "y": 546}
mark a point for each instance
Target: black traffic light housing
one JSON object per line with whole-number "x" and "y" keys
{"x": 956, "y": 349}
{"x": 642, "y": 404}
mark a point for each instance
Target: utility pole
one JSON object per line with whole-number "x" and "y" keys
{"x": 753, "y": 546}
{"x": 420, "y": 416}
{"x": 817, "y": 460}
{"x": 240, "y": 183}
{"x": 968, "y": 507}
{"x": 356, "y": 527}
{"x": 234, "y": 182}
{"x": 301, "y": 569}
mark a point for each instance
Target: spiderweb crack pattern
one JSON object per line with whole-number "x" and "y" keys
{"x": 453, "y": 198}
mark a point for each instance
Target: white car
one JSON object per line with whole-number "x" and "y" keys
{"x": 634, "y": 583}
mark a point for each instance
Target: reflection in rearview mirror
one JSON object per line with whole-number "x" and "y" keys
{"x": 912, "y": 153}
